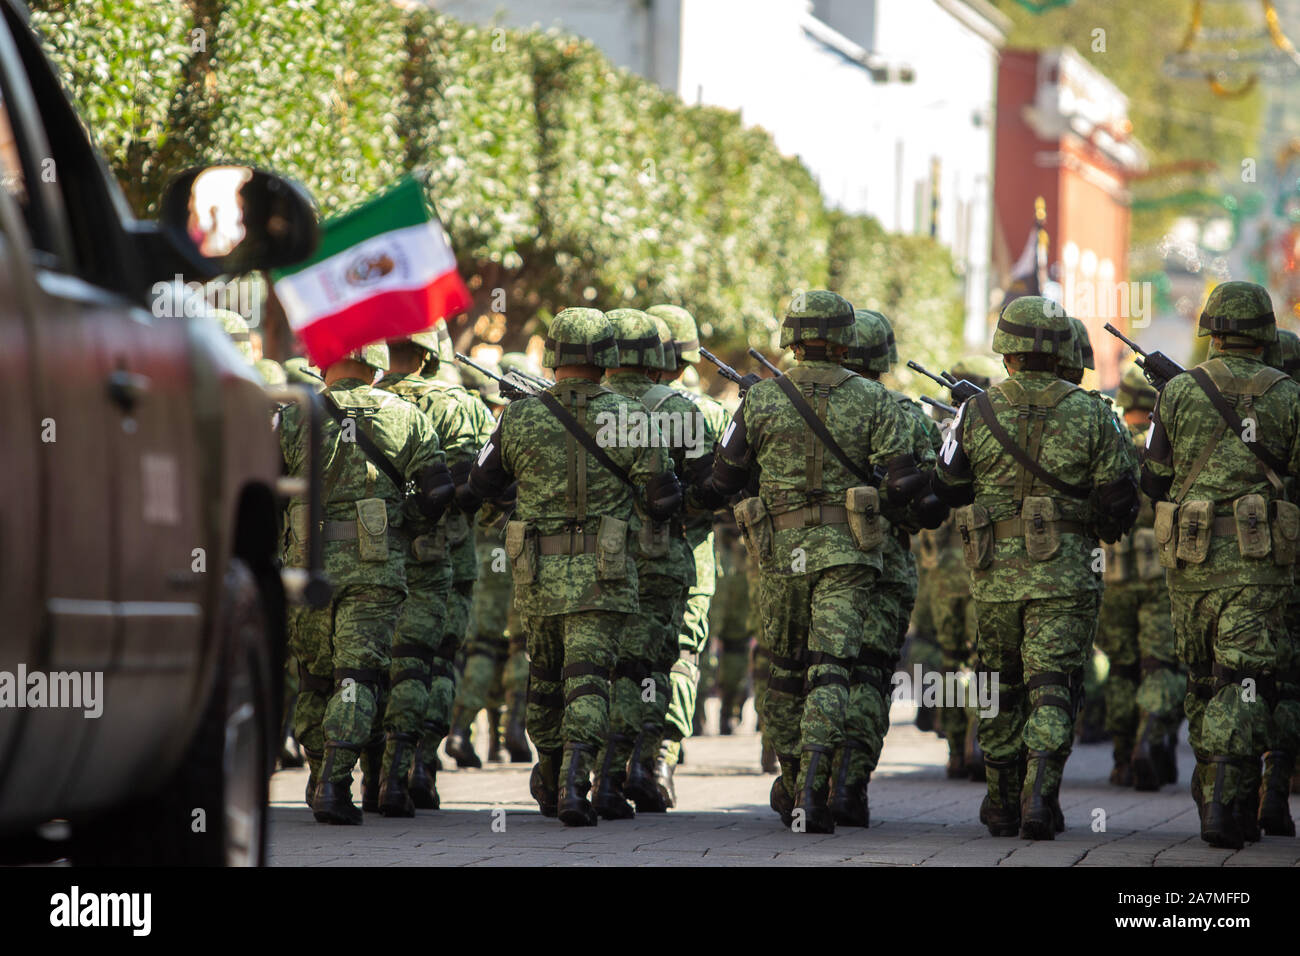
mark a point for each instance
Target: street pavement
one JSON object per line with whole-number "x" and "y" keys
{"x": 918, "y": 818}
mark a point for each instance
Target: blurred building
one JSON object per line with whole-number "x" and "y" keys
{"x": 889, "y": 103}
{"x": 1063, "y": 136}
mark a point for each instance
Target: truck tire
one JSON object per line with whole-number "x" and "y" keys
{"x": 213, "y": 809}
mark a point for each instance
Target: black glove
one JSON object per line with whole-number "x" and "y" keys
{"x": 708, "y": 495}
{"x": 466, "y": 500}
{"x": 748, "y": 381}
{"x": 663, "y": 495}
{"x": 699, "y": 469}
{"x": 930, "y": 510}
{"x": 904, "y": 481}
{"x": 436, "y": 491}
{"x": 1116, "y": 505}
{"x": 506, "y": 500}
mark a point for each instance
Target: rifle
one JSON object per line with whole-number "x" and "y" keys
{"x": 1158, "y": 367}
{"x": 755, "y": 353}
{"x": 948, "y": 409}
{"x": 960, "y": 389}
{"x": 730, "y": 374}
{"x": 511, "y": 390}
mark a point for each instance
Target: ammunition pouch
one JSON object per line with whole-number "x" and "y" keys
{"x": 611, "y": 554}
{"x": 428, "y": 548}
{"x": 372, "y": 529}
{"x": 1166, "y": 532}
{"x": 755, "y": 528}
{"x": 521, "y": 549}
{"x": 1041, "y": 525}
{"x": 1195, "y": 529}
{"x": 862, "y": 505}
{"x": 976, "y": 532}
{"x": 653, "y": 538}
{"x": 1285, "y": 528}
{"x": 1251, "y": 514}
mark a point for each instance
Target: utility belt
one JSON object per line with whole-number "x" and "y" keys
{"x": 1136, "y": 557}
{"x": 369, "y": 530}
{"x": 609, "y": 543}
{"x": 450, "y": 533}
{"x": 1039, "y": 525}
{"x": 860, "y": 513}
{"x": 1261, "y": 527}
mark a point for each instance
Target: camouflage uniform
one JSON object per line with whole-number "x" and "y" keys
{"x": 891, "y": 600}
{"x": 1214, "y": 500}
{"x": 575, "y": 580}
{"x": 682, "y": 339}
{"x": 344, "y": 650}
{"x": 815, "y": 530}
{"x": 1029, "y": 544}
{"x": 730, "y": 620}
{"x": 647, "y": 647}
{"x": 1144, "y": 689}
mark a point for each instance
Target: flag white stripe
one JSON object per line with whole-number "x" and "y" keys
{"x": 413, "y": 258}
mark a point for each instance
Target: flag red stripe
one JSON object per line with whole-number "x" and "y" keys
{"x": 388, "y": 315}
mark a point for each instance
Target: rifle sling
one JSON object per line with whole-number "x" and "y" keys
{"x": 820, "y": 430}
{"x": 1270, "y": 461}
{"x": 584, "y": 437}
{"x": 985, "y": 407}
{"x": 367, "y": 445}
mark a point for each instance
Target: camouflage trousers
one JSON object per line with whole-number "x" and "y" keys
{"x": 954, "y": 616}
{"x": 416, "y": 665}
{"x": 729, "y": 623}
{"x": 487, "y": 649}
{"x": 442, "y": 689}
{"x": 1228, "y": 638}
{"x": 1037, "y": 649}
{"x": 343, "y": 653}
{"x": 646, "y": 648}
{"x": 572, "y": 657}
{"x": 684, "y": 672}
{"x": 1144, "y": 689}
{"x": 814, "y": 627}
{"x": 1284, "y": 731}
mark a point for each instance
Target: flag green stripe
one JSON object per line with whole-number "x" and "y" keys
{"x": 396, "y": 208}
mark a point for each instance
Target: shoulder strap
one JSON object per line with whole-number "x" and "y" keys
{"x": 584, "y": 437}
{"x": 366, "y": 444}
{"x": 1229, "y": 415}
{"x": 985, "y": 407}
{"x": 820, "y": 430}
{"x": 656, "y": 395}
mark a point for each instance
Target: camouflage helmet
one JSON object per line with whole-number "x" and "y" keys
{"x": 233, "y": 324}
{"x": 668, "y": 342}
{"x": 977, "y": 370}
{"x": 1080, "y": 356}
{"x": 818, "y": 315}
{"x": 889, "y": 338}
{"x": 300, "y": 371}
{"x": 871, "y": 353}
{"x": 581, "y": 336}
{"x": 638, "y": 338}
{"x": 1284, "y": 354}
{"x": 685, "y": 334}
{"x": 690, "y": 380}
{"x": 436, "y": 340}
{"x": 1032, "y": 323}
{"x": 271, "y": 371}
{"x": 1135, "y": 393}
{"x": 375, "y": 355}
{"x": 1242, "y": 312}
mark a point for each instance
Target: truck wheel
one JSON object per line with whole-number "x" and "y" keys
{"x": 212, "y": 812}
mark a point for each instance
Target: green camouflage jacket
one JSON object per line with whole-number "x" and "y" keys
{"x": 1081, "y": 443}
{"x": 899, "y": 563}
{"x": 531, "y": 446}
{"x": 699, "y": 521}
{"x": 402, "y": 432}
{"x": 1185, "y": 424}
{"x": 768, "y": 432}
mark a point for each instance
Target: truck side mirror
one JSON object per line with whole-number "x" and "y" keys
{"x": 231, "y": 219}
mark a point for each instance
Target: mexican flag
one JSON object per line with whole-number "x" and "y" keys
{"x": 383, "y": 271}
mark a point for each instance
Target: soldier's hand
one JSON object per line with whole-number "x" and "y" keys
{"x": 436, "y": 491}
{"x": 663, "y": 494}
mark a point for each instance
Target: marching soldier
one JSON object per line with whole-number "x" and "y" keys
{"x": 575, "y": 580}
{"x": 1036, "y": 466}
{"x": 1225, "y": 437}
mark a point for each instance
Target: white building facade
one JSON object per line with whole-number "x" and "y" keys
{"x": 889, "y": 103}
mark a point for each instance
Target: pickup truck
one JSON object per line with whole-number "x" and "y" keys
{"x": 141, "y": 651}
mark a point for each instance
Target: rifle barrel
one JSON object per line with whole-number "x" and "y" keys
{"x": 927, "y": 373}
{"x": 466, "y": 360}
{"x": 1125, "y": 339}
{"x": 755, "y": 353}
{"x": 939, "y": 405}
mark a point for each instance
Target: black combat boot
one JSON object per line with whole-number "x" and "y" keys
{"x": 1169, "y": 772}
{"x": 640, "y": 786}
{"x": 1003, "y": 818}
{"x": 332, "y": 800}
{"x": 956, "y": 766}
{"x": 544, "y": 783}
{"x": 1274, "y": 807}
{"x": 372, "y": 774}
{"x": 314, "y": 759}
{"x": 460, "y": 746}
{"x": 609, "y": 801}
{"x": 767, "y": 758}
{"x": 812, "y": 798}
{"x": 664, "y": 776}
{"x": 848, "y": 803}
{"x": 974, "y": 753}
{"x": 1040, "y": 809}
{"x": 394, "y": 795}
{"x": 1149, "y": 759}
{"x": 781, "y": 799}
{"x": 1121, "y": 774}
{"x": 517, "y": 736}
{"x": 496, "y": 753}
{"x": 1247, "y": 802}
{"x": 574, "y": 809}
{"x": 423, "y": 782}
{"x": 1219, "y": 823}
